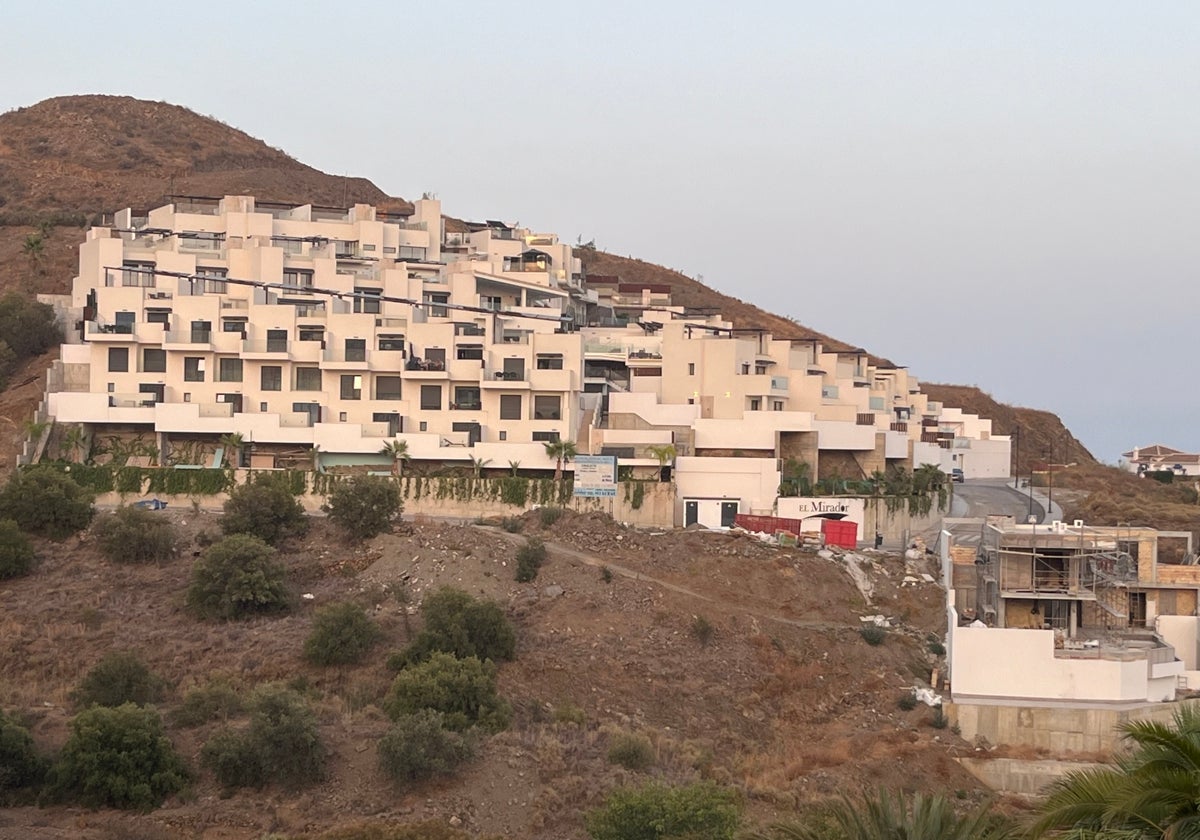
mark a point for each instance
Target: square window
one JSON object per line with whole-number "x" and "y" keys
{"x": 424, "y": 426}
{"x": 387, "y": 387}
{"x": 308, "y": 379}
{"x": 503, "y": 435}
{"x": 510, "y": 406}
{"x": 154, "y": 360}
{"x": 342, "y": 416}
{"x": 271, "y": 378}
{"x": 187, "y": 396}
{"x": 118, "y": 359}
{"x": 351, "y": 387}
{"x": 356, "y": 349}
{"x": 547, "y": 407}
{"x": 431, "y": 397}
{"x": 229, "y": 370}
{"x": 193, "y": 369}
{"x": 262, "y": 407}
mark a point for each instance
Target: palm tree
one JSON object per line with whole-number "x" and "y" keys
{"x": 895, "y": 816}
{"x": 1150, "y": 792}
{"x": 397, "y": 450}
{"x": 663, "y": 453}
{"x": 232, "y": 443}
{"x": 514, "y": 467}
{"x": 477, "y": 465}
{"x": 561, "y": 451}
{"x": 73, "y": 440}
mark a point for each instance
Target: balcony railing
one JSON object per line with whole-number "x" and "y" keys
{"x": 507, "y": 375}
{"x": 188, "y": 337}
{"x": 131, "y": 400}
{"x": 269, "y": 345}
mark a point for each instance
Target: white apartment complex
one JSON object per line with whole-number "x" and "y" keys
{"x": 337, "y": 330}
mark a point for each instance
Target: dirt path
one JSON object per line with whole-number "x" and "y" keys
{"x": 624, "y": 571}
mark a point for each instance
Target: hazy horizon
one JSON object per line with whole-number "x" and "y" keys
{"x": 1000, "y": 196}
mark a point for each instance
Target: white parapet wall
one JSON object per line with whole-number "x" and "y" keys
{"x": 1009, "y": 664}
{"x": 753, "y": 481}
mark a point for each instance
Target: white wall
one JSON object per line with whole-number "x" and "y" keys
{"x": 753, "y": 481}
{"x": 1007, "y": 663}
{"x": 812, "y": 508}
{"x": 1180, "y": 632}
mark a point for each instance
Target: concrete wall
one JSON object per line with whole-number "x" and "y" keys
{"x": 753, "y": 481}
{"x": 1021, "y": 776}
{"x": 657, "y": 508}
{"x": 1062, "y": 730}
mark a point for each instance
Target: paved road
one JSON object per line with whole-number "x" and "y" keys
{"x": 977, "y": 498}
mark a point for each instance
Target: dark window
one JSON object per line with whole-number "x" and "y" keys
{"x": 229, "y": 370}
{"x": 368, "y": 302}
{"x": 550, "y": 363}
{"x": 547, "y": 408}
{"x": 236, "y": 325}
{"x": 277, "y": 341}
{"x": 272, "y": 378}
{"x": 545, "y": 437}
{"x": 201, "y": 332}
{"x": 467, "y": 399}
{"x": 391, "y": 342}
{"x": 436, "y": 356}
{"x": 408, "y": 252}
{"x": 394, "y": 421}
{"x": 158, "y": 316}
{"x": 351, "y": 387}
{"x": 118, "y": 359}
{"x": 387, "y": 387}
{"x": 125, "y": 322}
{"x": 755, "y": 403}
{"x": 470, "y": 351}
{"x": 154, "y": 360}
{"x": 312, "y": 334}
{"x": 193, "y": 369}
{"x": 437, "y": 298}
{"x": 308, "y": 379}
{"x": 431, "y": 397}
{"x": 510, "y": 406}
{"x": 356, "y": 349}
{"x": 297, "y": 279}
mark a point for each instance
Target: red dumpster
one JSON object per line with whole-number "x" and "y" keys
{"x": 840, "y": 532}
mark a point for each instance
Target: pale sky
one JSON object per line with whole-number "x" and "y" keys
{"x": 1001, "y": 194}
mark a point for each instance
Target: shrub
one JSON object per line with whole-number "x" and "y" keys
{"x": 216, "y": 701}
{"x": 463, "y": 690}
{"x": 936, "y": 648}
{"x": 631, "y": 751}
{"x": 236, "y": 578}
{"x": 16, "y": 554}
{"x": 264, "y": 508}
{"x": 699, "y": 811}
{"x": 907, "y": 702}
{"x": 512, "y": 524}
{"x": 424, "y": 830}
{"x": 20, "y": 765}
{"x": 119, "y": 678}
{"x": 281, "y": 744}
{"x": 703, "y": 630}
{"x": 419, "y": 746}
{"x": 117, "y": 757}
{"x": 135, "y": 535}
{"x": 458, "y": 624}
{"x": 44, "y": 501}
{"x": 341, "y": 635}
{"x": 606, "y": 574}
{"x": 549, "y": 515}
{"x": 365, "y": 505}
{"x": 873, "y": 634}
{"x": 939, "y": 720}
{"x": 530, "y": 558}
{"x": 28, "y": 327}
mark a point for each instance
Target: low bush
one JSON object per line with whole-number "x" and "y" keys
{"x": 365, "y": 506}
{"x": 936, "y": 647}
{"x": 939, "y": 719}
{"x": 512, "y": 524}
{"x": 218, "y": 700}
{"x": 419, "y": 746}
{"x": 873, "y": 634}
{"x": 21, "y": 767}
{"x": 117, "y": 757}
{"x": 463, "y": 690}
{"x": 425, "y": 830}
{"x": 549, "y": 515}
{"x": 703, "y": 630}
{"x": 119, "y": 678}
{"x": 135, "y": 535}
{"x": 236, "y": 578}
{"x": 631, "y": 751}
{"x": 530, "y": 558}
{"x": 264, "y": 508}
{"x": 700, "y": 811}
{"x": 16, "y": 552}
{"x": 342, "y": 634}
{"x": 907, "y": 702}
{"x": 42, "y": 500}
{"x": 461, "y": 625}
{"x": 281, "y": 744}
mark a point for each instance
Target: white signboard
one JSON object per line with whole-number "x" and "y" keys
{"x": 596, "y": 476}
{"x": 814, "y": 508}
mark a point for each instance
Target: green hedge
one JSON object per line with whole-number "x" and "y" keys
{"x": 107, "y": 478}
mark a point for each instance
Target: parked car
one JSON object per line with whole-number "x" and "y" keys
{"x": 151, "y": 504}
{"x": 956, "y": 475}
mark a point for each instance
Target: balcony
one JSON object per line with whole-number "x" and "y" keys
{"x": 505, "y": 380}
{"x": 132, "y": 400}
{"x": 643, "y": 358}
{"x": 341, "y": 359}
{"x": 265, "y": 349}
{"x": 605, "y": 349}
{"x": 215, "y": 409}
{"x": 110, "y": 332}
{"x": 189, "y": 339}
